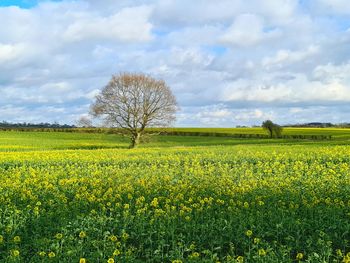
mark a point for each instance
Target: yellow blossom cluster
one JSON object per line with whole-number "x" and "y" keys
{"x": 200, "y": 204}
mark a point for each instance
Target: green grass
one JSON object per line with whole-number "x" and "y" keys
{"x": 341, "y": 133}
{"x": 30, "y": 141}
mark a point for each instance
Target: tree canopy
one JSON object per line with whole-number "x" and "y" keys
{"x": 133, "y": 102}
{"x": 273, "y": 129}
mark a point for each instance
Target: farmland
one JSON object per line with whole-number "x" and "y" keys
{"x": 85, "y": 197}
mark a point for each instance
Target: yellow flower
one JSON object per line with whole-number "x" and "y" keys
{"x": 256, "y": 240}
{"x": 42, "y": 253}
{"x": 154, "y": 202}
{"x": 110, "y": 260}
{"x": 52, "y": 254}
{"x": 299, "y": 256}
{"x": 113, "y": 238}
{"x": 249, "y": 233}
{"x": 346, "y": 259}
{"x": 262, "y": 252}
{"x": 82, "y": 260}
{"x": 15, "y": 253}
{"x": 195, "y": 255}
{"x": 82, "y": 234}
{"x": 116, "y": 252}
{"x": 59, "y": 236}
{"x": 176, "y": 261}
{"x": 239, "y": 259}
{"x": 125, "y": 236}
{"x": 17, "y": 239}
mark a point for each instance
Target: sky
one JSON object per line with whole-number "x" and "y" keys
{"x": 228, "y": 62}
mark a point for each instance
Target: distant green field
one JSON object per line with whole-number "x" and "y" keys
{"x": 29, "y": 141}
{"x": 335, "y": 132}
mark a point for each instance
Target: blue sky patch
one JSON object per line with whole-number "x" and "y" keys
{"x": 22, "y": 3}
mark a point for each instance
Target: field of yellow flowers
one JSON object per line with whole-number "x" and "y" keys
{"x": 186, "y": 204}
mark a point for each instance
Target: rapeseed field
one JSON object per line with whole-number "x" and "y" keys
{"x": 249, "y": 203}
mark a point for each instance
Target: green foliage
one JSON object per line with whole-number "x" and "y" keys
{"x": 273, "y": 129}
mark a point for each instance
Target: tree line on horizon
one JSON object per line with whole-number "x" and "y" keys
{"x": 7, "y": 124}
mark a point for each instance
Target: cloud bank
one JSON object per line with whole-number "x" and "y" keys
{"x": 228, "y": 62}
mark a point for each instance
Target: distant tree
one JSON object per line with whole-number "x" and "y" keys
{"x": 133, "y": 102}
{"x": 84, "y": 122}
{"x": 272, "y": 128}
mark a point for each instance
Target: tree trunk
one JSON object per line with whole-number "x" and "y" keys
{"x": 271, "y": 132}
{"x": 135, "y": 140}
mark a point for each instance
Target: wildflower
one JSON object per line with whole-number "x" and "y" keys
{"x": 239, "y": 259}
{"x": 59, "y": 236}
{"x": 249, "y": 233}
{"x": 110, "y": 260}
{"x": 42, "y": 253}
{"x": 17, "y": 239}
{"x": 82, "y": 260}
{"x": 262, "y": 252}
{"x": 154, "y": 202}
{"x": 52, "y": 254}
{"x": 15, "y": 253}
{"x": 256, "y": 240}
{"x": 176, "y": 261}
{"x": 116, "y": 252}
{"x": 113, "y": 238}
{"x": 195, "y": 255}
{"x": 299, "y": 256}
{"x": 82, "y": 234}
{"x": 125, "y": 236}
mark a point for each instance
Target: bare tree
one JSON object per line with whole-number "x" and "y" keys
{"x": 133, "y": 102}
{"x": 84, "y": 122}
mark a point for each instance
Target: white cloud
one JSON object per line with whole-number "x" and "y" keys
{"x": 337, "y": 6}
{"x": 228, "y": 62}
{"x": 283, "y": 57}
{"x": 10, "y": 52}
{"x": 333, "y": 73}
{"x": 247, "y": 30}
{"x": 129, "y": 25}
{"x": 297, "y": 90}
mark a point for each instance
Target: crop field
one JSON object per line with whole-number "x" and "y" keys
{"x": 82, "y": 197}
